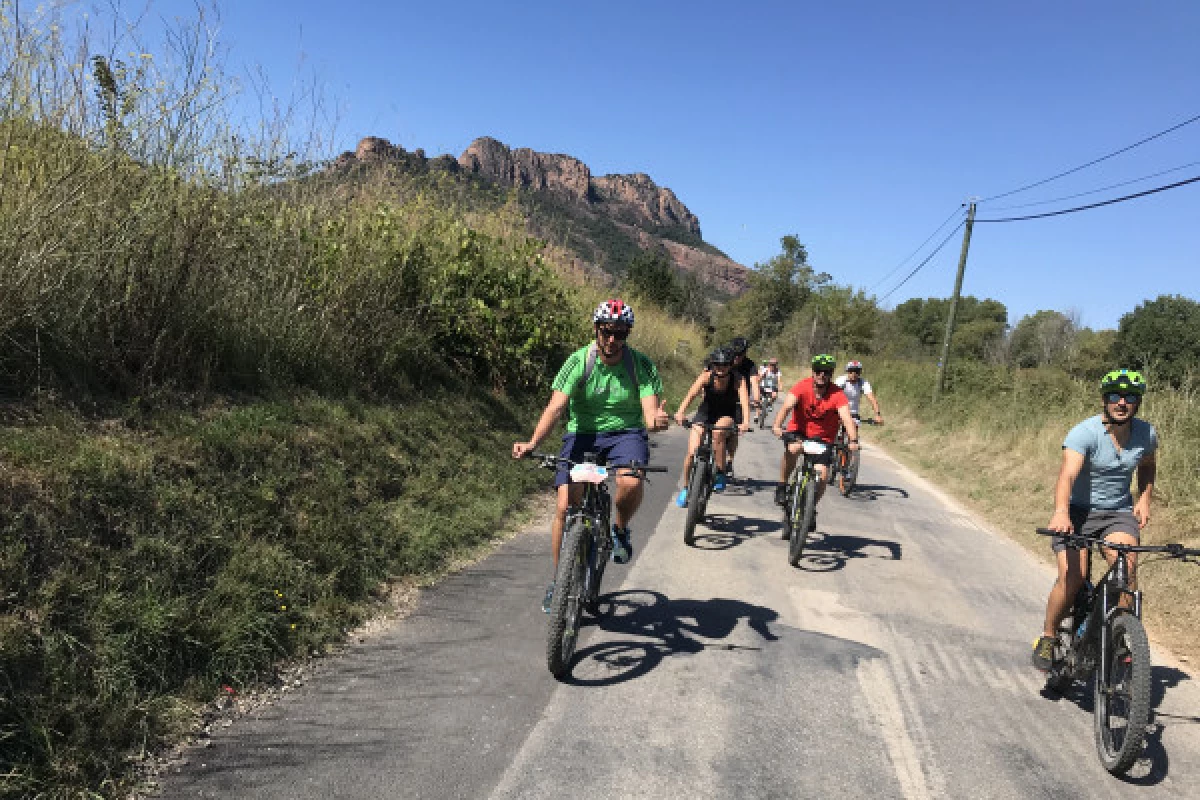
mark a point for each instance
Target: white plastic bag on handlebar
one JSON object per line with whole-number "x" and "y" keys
{"x": 814, "y": 448}
{"x": 588, "y": 473}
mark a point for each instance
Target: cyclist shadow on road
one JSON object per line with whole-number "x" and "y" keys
{"x": 725, "y": 531}
{"x": 868, "y": 492}
{"x": 830, "y": 551}
{"x": 663, "y": 627}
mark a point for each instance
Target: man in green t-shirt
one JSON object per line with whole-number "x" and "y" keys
{"x": 614, "y": 397}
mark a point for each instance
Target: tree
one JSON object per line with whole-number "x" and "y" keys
{"x": 1161, "y": 336}
{"x": 980, "y": 326}
{"x": 650, "y": 275}
{"x": 778, "y": 288}
{"x": 1044, "y": 338}
{"x": 1092, "y": 355}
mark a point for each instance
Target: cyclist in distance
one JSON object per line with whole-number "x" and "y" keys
{"x": 747, "y": 371}
{"x": 611, "y": 394}
{"x": 817, "y": 406}
{"x": 723, "y": 396}
{"x": 770, "y": 379}
{"x": 855, "y": 387}
{"x": 1092, "y": 497}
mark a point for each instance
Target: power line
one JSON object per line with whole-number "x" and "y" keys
{"x": 1097, "y": 191}
{"x": 1093, "y": 161}
{"x": 928, "y": 258}
{"x": 1155, "y": 190}
{"x": 920, "y": 247}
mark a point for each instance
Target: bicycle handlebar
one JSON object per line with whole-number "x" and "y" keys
{"x": 1174, "y": 549}
{"x": 551, "y": 461}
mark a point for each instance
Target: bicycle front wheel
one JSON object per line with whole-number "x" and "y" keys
{"x": 1122, "y": 698}
{"x": 848, "y": 476}
{"x": 789, "y": 503}
{"x": 802, "y": 515}
{"x": 695, "y": 504}
{"x": 567, "y": 605}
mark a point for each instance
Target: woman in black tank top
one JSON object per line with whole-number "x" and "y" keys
{"x": 723, "y": 395}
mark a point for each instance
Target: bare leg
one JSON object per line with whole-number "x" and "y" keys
{"x": 1071, "y": 566}
{"x": 1130, "y": 559}
{"x": 629, "y": 498}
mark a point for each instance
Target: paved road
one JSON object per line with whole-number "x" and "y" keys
{"x": 893, "y": 664}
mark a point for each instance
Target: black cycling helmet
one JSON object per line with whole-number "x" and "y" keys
{"x": 823, "y": 361}
{"x": 720, "y": 356}
{"x": 738, "y": 346}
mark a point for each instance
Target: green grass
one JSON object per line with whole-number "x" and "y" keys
{"x": 149, "y": 559}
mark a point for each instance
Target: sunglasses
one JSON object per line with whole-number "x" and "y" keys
{"x": 822, "y": 372}
{"x": 620, "y": 334}
{"x": 1129, "y": 397}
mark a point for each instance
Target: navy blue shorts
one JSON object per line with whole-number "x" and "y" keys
{"x": 618, "y": 447}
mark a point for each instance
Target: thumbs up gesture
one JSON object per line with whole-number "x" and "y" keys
{"x": 661, "y": 419}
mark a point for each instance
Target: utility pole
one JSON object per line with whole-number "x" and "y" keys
{"x": 958, "y": 281}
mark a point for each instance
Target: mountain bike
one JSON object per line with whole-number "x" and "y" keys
{"x": 845, "y": 462}
{"x": 1103, "y": 638}
{"x": 700, "y": 485}
{"x": 585, "y": 550}
{"x": 766, "y": 404}
{"x": 800, "y": 495}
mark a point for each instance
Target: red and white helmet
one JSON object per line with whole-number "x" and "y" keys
{"x": 613, "y": 311}
{"x": 854, "y": 366}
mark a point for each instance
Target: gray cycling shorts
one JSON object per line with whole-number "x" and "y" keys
{"x": 1092, "y": 522}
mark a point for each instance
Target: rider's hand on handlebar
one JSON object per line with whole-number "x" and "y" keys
{"x": 879, "y": 419}
{"x": 777, "y": 430}
{"x": 680, "y": 419}
{"x": 1061, "y": 522}
{"x": 744, "y": 427}
{"x": 521, "y": 449}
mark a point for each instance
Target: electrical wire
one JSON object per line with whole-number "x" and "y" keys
{"x": 928, "y": 258}
{"x": 1093, "y": 161}
{"x": 920, "y": 247}
{"x": 1096, "y": 191}
{"x": 1155, "y": 190}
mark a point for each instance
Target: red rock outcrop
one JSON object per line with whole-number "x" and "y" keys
{"x": 558, "y": 174}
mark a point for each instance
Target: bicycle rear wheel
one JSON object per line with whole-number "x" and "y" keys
{"x": 1122, "y": 699}
{"x": 567, "y": 605}
{"x": 695, "y": 504}
{"x": 848, "y": 475}
{"x": 802, "y": 516}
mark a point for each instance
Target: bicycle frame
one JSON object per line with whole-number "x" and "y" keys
{"x": 1113, "y": 585}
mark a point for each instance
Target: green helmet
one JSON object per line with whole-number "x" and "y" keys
{"x": 1123, "y": 380}
{"x": 823, "y": 361}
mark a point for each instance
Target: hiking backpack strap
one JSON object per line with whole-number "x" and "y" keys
{"x": 590, "y": 365}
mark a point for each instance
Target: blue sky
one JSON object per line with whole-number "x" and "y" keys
{"x": 859, "y": 126}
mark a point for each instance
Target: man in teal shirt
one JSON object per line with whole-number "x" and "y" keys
{"x": 1092, "y": 496}
{"x": 614, "y": 397}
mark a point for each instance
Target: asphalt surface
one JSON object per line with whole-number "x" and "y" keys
{"x": 893, "y": 663}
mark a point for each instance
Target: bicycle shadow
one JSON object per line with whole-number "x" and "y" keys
{"x": 745, "y": 487}
{"x": 868, "y": 492}
{"x": 1154, "y": 764}
{"x": 725, "y": 531}
{"x": 827, "y": 552}
{"x": 664, "y": 627}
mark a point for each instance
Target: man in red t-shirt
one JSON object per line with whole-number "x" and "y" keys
{"x": 819, "y": 407}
